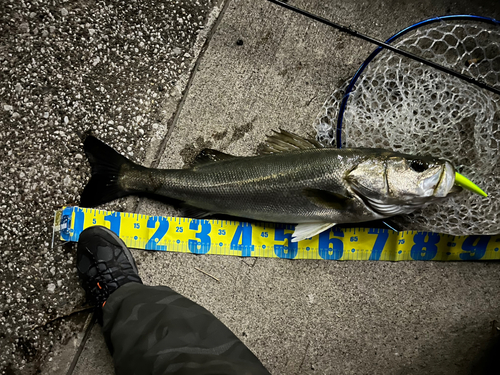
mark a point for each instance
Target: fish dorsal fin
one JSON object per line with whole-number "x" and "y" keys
{"x": 306, "y": 230}
{"x": 327, "y": 199}
{"x": 208, "y": 155}
{"x": 284, "y": 141}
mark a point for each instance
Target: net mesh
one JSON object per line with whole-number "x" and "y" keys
{"x": 405, "y": 106}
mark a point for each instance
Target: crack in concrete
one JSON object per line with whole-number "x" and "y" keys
{"x": 172, "y": 122}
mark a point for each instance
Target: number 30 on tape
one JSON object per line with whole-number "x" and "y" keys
{"x": 270, "y": 240}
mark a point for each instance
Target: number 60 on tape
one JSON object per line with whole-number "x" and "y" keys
{"x": 224, "y": 237}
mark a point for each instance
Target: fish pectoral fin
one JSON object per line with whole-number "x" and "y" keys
{"x": 327, "y": 199}
{"x": 285, "y": 141}
{"x": 306, "y": 230}
{"x": 209, "y": 155}
{"x": 194, "y": 212}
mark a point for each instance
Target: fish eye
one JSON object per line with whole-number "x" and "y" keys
{"x": 418, "y": 166}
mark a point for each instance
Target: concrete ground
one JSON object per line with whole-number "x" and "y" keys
{"x": 159, "y": 81}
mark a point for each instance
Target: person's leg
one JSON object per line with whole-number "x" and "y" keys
{"x": 154, "y": 330}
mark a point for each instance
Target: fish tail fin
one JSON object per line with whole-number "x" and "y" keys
{"x": 106, "y": 164}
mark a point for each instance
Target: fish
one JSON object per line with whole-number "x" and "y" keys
{"x": 293, "y": 180}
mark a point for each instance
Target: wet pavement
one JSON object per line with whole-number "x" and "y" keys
{"x": 68, "y": 67}
{"x": 159, "y": 81}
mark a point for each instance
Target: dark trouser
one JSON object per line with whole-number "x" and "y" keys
{"x": 154, "y": 330}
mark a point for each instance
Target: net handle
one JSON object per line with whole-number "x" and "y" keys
{"x": 343, "y": 104}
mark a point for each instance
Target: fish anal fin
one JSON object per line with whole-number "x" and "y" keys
{"x": 208, "y": 155}
{"x": 284, "y": 141}
{"x": 328, "y": 199}
{"x": 306, "y": 230}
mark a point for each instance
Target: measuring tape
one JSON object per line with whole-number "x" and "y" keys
{"x": 269, "y": 240}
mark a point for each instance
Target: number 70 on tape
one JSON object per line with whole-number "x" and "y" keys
{"x": 274, "y": 240}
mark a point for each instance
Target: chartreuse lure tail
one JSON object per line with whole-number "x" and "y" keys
{"x": 468, "y": 184}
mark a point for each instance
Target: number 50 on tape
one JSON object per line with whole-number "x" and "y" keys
{"x": 224, "y": 237}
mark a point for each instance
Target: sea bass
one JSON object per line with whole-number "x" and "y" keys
{"x": 293, "y": 180}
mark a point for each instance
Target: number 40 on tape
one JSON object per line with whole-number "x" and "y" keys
{"x": 224, "y": 237}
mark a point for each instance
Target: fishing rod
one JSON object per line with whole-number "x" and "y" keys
{"x": 386, "y": 46}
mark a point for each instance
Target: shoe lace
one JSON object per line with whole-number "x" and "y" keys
{"x": 98, "y": 285}
{"x": 98, "y": 288}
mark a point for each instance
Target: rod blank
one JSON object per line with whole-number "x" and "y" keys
{"x": 387, "y": 46}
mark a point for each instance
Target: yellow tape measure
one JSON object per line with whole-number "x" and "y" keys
{"x": 224, "y": 237}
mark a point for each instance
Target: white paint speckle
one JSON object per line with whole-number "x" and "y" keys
{"x": 310, "y": 298}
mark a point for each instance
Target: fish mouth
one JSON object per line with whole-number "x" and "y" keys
{"x": 440, "y": 183}
{"x": 446, "y": 181}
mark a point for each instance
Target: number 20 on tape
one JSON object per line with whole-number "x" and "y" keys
{"x": 274, "y": 240}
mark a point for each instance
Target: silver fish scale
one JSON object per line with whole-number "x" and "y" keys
{"x": 266, "y": 188}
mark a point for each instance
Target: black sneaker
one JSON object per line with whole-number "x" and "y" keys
{"x": 104, "y": 263}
